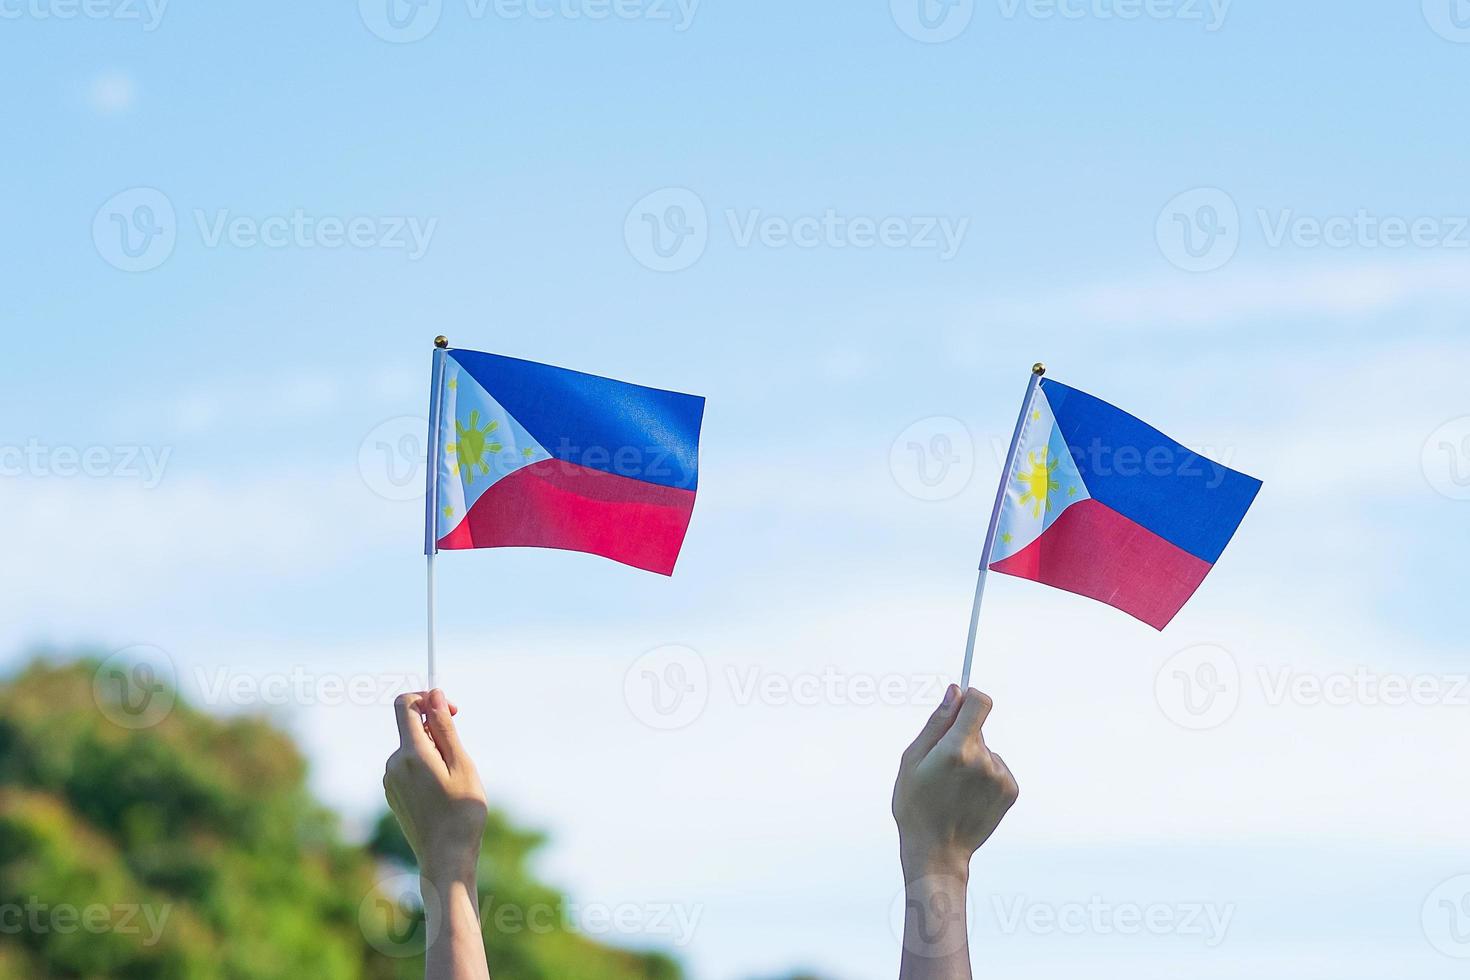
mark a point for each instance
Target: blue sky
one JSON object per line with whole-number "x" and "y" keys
{"x": 1246, "y": 224}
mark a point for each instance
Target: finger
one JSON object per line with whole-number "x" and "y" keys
{"x": 441, "y": 725}
{"x": 411, "y": 734}
{"x": 935, "y": 727}
{"x": 974, "y": 709}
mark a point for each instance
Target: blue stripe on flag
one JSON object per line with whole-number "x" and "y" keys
{"x": 1185, "y": 498}
{"x": 642, "y": 433}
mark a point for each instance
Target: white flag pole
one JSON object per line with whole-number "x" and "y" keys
{"x": 431, "y": 505}
{"x": 1000, "y": 495}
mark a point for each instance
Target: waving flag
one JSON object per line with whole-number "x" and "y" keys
{"x": 1098, "y": 503}
{"x": 530, "y": 455}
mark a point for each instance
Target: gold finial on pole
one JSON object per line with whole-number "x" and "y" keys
{"x": 441, "y": 342}
{"x": 1038, "y": 369}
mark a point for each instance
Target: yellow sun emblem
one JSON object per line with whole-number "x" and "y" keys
{"x": 1036, "y": 481}
{"x": 473, "y": 450}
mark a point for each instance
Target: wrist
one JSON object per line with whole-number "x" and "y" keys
{"x": 932, "y": 860}
{"x": 451, "y": 864}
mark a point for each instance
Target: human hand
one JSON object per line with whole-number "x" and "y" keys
{"x": 433, "y": 788}
{"x": 952, "y": 791}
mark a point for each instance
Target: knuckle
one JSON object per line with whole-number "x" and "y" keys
{"x": 1010, "y": 791}
{"x": 953, "y": 755}
{"x": 986, "y": 701}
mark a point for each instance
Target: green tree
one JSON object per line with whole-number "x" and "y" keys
{"x": 192, "y": 849}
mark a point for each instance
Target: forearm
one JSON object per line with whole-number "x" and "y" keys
{"x": 936, "y": 943}
{"x": 456, "y": 946}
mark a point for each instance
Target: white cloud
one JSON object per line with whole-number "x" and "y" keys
{"x": 1352, "y": 291}
{"x": 113, "y": 93}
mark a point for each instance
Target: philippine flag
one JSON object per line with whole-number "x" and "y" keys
{"x": 542, "y": 457}
{"x": 1100, "y": 504}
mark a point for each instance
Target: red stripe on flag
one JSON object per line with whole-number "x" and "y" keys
{"x": 1094, "y": 551}
{"x": 556, "y": 504}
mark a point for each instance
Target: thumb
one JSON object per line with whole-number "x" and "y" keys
{"x": 439, "y": 719}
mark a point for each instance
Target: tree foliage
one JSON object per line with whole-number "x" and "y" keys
{"x": 192, "y": 849}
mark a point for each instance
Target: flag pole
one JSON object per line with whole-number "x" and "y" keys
{"x": 431, "y": 504}
{"x": 1037, "y": 370}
